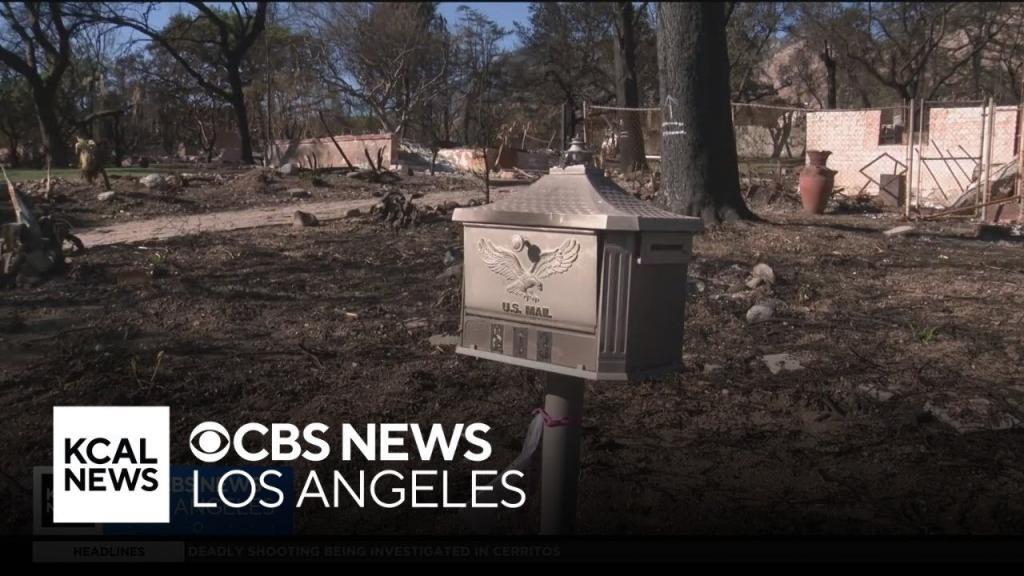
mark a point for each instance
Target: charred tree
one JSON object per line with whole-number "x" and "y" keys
{"x": 699, "y": 169}
{"x": 236, "y": 33}
{"x": 632, "y": 156}
{"x": 828, "y": 59}
{"x": 41, "y": 53}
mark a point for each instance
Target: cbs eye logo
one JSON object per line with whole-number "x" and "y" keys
{"x": 209, "y": 441}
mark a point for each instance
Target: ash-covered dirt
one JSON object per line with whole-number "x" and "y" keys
{"x": 214, "y": 191}
{"x": 903, "y": 417}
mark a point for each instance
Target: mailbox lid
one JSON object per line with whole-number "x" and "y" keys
{"x": 578, "y": 197}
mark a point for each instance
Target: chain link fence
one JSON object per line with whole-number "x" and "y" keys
{"x": 770, "y": 140}
{"x": 948, "y": 151}
{"x": 965, "y": 154}
{"x": 622, "y": 135}
{"x": 770, "y": 144}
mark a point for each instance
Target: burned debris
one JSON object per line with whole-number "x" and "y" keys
{"x": 33, "y": 244}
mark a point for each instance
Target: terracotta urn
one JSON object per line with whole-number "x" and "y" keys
{"x": 818, "y": 157}
{"x": 816, "y": 182}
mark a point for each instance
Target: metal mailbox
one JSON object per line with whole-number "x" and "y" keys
{"x": 575, "y": 276}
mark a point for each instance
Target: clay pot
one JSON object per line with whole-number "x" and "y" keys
{"x": 816, "y": 188}
{"x": 816, "y": 182}
{"x": 818, "y": 157}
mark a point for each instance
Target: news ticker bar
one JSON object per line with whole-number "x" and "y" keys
{"x": 530, "y": 550}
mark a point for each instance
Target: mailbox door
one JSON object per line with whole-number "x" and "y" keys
{"x": 536, "y": 276}
{"x": 530, "y": 298}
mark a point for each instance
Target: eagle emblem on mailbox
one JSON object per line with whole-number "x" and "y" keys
{"x": 524, "y": 283}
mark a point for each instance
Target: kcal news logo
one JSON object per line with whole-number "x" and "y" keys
{"x": 111, "y": 464}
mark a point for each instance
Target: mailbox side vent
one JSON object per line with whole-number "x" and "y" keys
{"x": 615, "y": 298}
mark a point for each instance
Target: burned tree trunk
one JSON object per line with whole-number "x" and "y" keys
{"x": 698, "y": 148}
{"x": 237, "y": 30}
{"x": 50, "y": 129}
{"x": 43, "y": 69}
{"x": 487, "y": 177}
{"x": 780, "y": 134}
{"x": 568, "y": 121}
{"x": 632, "y": 156}
{"x": 237, "y": 101}
{"x": 829, "y": 61}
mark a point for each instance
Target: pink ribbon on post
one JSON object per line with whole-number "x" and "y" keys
{"x": 552, "y": 422}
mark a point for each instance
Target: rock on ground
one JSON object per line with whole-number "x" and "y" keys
{"x": 302, "y": 219}
{"x": 162, "y": 181}
{"x": 778, "y": 362}
{"x": 152, "y": 181}
{"x": 452, "y": 256}
{"x": 760, "y": 313}
{"x": 453, "y": 271}
{"x": 967, "y": 415}
{"x": 898, "y": 231}
{"x": 763, "y": 272}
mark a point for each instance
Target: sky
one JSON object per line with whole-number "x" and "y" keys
{"x": 505, "y": 14}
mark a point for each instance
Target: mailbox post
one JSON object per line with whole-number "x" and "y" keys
{"x": 575, "y": 277}
{"x": 560, "y": 453}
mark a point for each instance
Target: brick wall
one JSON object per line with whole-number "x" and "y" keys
{"x": 852, "y": 137}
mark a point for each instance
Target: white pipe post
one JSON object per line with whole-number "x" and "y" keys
{"x": 909, "y": 172}
{"x": 560, "y": 466}
{"x": 987, "y": 173}
{"x": 920, "y": 152}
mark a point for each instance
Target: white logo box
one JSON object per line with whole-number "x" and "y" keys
{"x": 112, "y": 423}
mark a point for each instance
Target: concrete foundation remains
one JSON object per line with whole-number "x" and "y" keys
{"x": 322, "y": 152}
